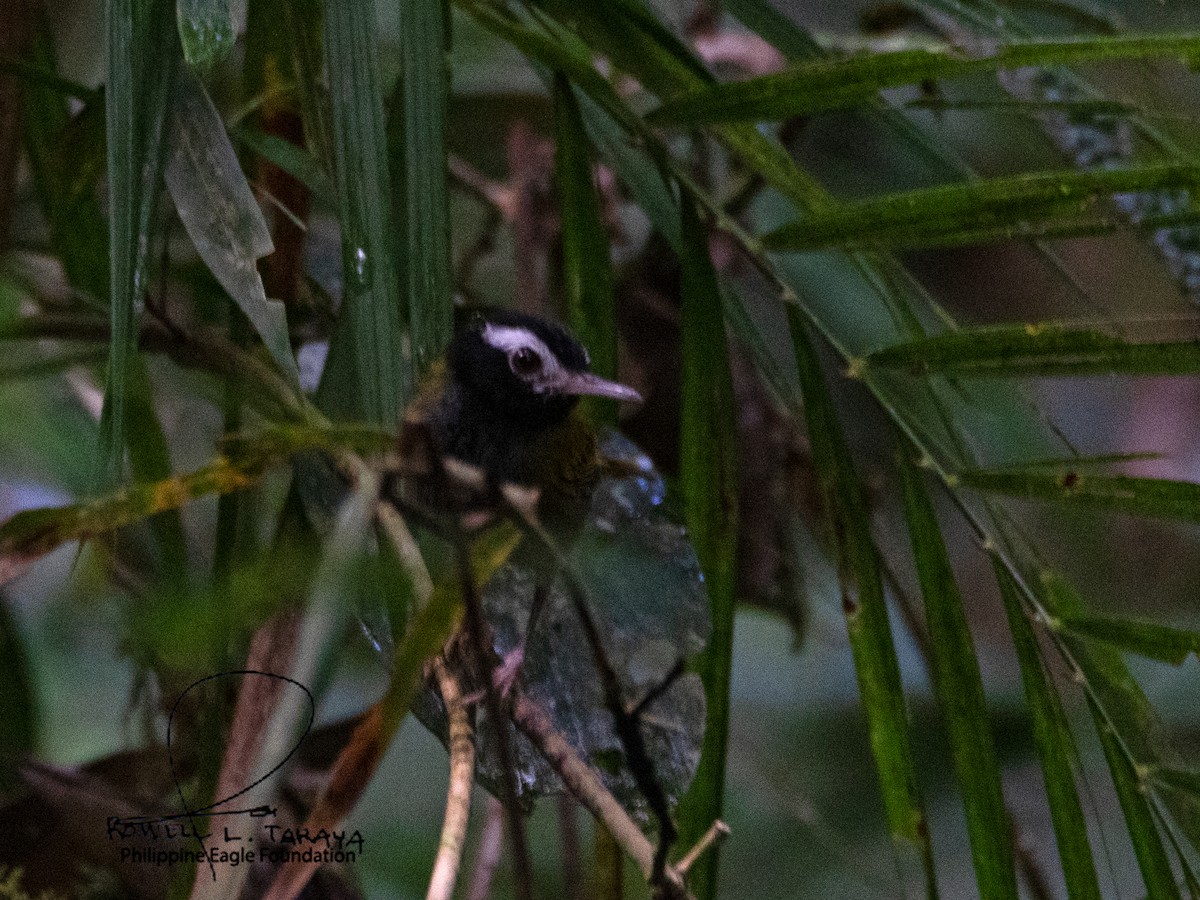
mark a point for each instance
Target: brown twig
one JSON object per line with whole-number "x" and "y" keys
{"x": 458, "y": 794}
{"x": 585, "y": 785}
{"x": 487, "y": 855}
{"x": 568, "y": 835}
{"x": 478, "y": 648}
{"x": 716, "y": 833}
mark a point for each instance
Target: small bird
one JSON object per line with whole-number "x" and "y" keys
{"x": 504, "y": 400}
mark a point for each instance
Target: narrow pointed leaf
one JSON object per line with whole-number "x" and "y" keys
{"x": 1139, "y": 818}
{"x": 959, "y": 689}
{"x": 708, "y": 473}
{"x": 296, "y": 161}
{"x": 829, "y": 84}
{"x": 1056, "y": 750}
{"x": 936, "y": 215}
{"x": 1038, "y": 349}
{"x": 220, "y": 214}
{"x": 142, "y": 54}
{"x": 587, "y": 266}
{"x": 206, "y": 30}
{"x": 421, "y": 176}
{"x": 367, "y": 373}
{"x": 1154, "y": 497}
{"x": 1149, "y": 639}
{"x": 865, "y": 609}
{"x": 34, "y": 533}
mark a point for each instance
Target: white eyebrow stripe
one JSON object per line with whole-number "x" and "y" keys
{"x": 509, "y": 338}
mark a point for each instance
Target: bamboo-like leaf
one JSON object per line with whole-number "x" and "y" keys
{"x": 1046, "y": 349}
{"x": 421, "y": 177}
{"x": 1149, "y": 639}
{"x": 220, "y": 214}
{"x": 1139, "y": 819}
{"x": 367, "y": 373}
{"x": 1185, "y": 780}
{"x": 587, "y": 265}
{"x": 206, "y": 31}
{"x": 865, "y": 608}
{"x": 66, "y": 188}
{"x": 34, "y": 533}
{"x": 936, "y": 215}
{"x": 142, "y": 55}
{"x": 296, "y": 161}
{"x": 822, "y": 85}
{"x": 1056, "y": 750}
{"x": 959, "y": 688}
{"x": 708, "y": 474}
{"x": 1156, "y": 497}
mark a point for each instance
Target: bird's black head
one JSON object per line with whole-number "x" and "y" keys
{"x": 525, "y": 369}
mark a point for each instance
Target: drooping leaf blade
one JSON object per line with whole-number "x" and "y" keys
{"x": 142, "y": 56}
{"x": 421, "y": 177}
{"x": 708, "y": 474}
{"x": 865, "y": 609}
{"x": 1043, "y": 349}
{"x": 367, "y": 373}
{"x": 822, "y": 85}
{"x": 587, "y": 265}
{"x": 1139, "y": 818}
{"x": 1149, "y": 639}
{"x": 221, "y": 215}
{"x": 959, "y": 688}
{"x": 1056, "y": 750}
{"x": 1012, "y": 206}
{"x": 1153, "y": 497}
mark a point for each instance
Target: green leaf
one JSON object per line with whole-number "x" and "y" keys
{"x": 367, "y": 374}
{"x": 1056, "y": 750}
{"x": 1155, "y": 497}
{"x": 587, "y": 265}
{"x": 206, "y": 31}
{"x": 142, "y": 58}
{"x": 708, "y": 474}
{"x": 1008, "y": 207}
{"x": 865, "y": 609}
{"x": 65, "y": 182}
{"x": 220, "y": 214}
{"x": 959, "y": 689}
{"x": 1149, "y": 639}
{"x": 34, "y": 533}
{"x": 1139, "y": 818}
{"x": 296, "y": 161}
{"x": 421, "y": 176}
{"x": 1044, "y": 349}
{"x": 822, "y": 85}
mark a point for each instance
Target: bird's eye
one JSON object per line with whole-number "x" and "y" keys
{"x": 525, "y": 362}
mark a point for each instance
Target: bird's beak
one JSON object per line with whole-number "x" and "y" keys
{"x": 587, "y": 384}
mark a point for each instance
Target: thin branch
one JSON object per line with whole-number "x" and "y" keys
{"x": 585, "y": 785}
{"x": 478, "y": 650}
{"x": 716, "y": 833}
{"x": 458, "y": 794}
